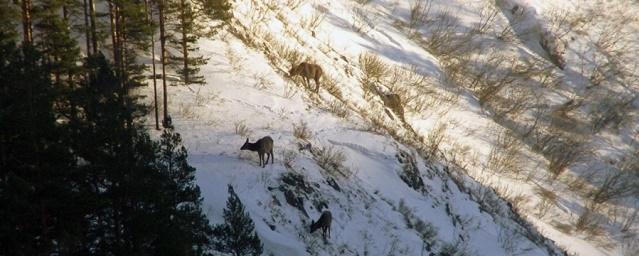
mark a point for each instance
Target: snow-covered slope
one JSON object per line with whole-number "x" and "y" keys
{"x": 358, "y": 149}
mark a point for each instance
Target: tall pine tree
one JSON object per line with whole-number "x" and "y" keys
{"x": 187, "y": 32}
{"x": 78, "y": 174}
{"x": 40, "y": 187}
{"x": 237, "y": 234}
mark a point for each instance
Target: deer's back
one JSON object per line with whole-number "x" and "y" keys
{"x": 325, "y": 219}
{"x": 309, "y": 70}
{"x": 265, "y": 144}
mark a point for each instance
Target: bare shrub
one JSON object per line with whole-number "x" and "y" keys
{"x": 518, "y": 202}
{"x": 272, "y": 5}
{"x": 241, "y": 129}
{"x": 331, "y": 87}
{"x": 617, "y": 183}
{"x": 493, "y": 73}
{"x": 562, "y": 21}
{"x": 412, "y": 87}
{"x": 257, "y": 14}
{"x": 291, "y": 55}
{"x": 548, "y": 199}
{"x": 507, "y": 34}
{"x": 588, "y": 222}
{"x": 262, "y": 82}
{"x": 331, "y": 159}
{"x": 234, "y": 60}
{"x": 629, "y": 218}
{"x": 364, "y": 20}
{"x": 487, "y": 17}
{"x": 373, "y": 68}
{"x": 301, "y": 131}
{"x": 434, "y": 139}
{"x": 505, "y": 154}
{"x": 339, "y": 109}
{"x": 561, "y": 154}
{"x": 610, "y": 110}
{"x": 442, "y": 38}
{"x": 293, "y": 4}
{"x": 312, "y": 23}
{"x": 419, "y": 11}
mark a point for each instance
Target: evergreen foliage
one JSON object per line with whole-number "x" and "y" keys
{"x": 237, "y": 234}
{"x": 78, "y": 174}
{"x": 217, "y": 9}
{"x": 186, "y": 33}
{"x": 38, "y": 177}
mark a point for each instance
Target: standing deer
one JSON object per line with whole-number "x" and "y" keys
{"x": 323, "y": 222}
{"x": 307, "y": 71}
{"x": 262, "y": 146}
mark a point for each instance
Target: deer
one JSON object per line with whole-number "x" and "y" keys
{"x": 262, "y": 146}
{"x": 307, "y": 71}
{"x": 323, "y": 222}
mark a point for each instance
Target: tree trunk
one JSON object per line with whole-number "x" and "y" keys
{"x": 87, "y": 35}
{"x": 185, "y": 51}
{"x": 27, "y": 22}
{"x": 149, "y": 12}
{"x": 94, "y": 38}
{"x": 163, "y": 53}
{"x": 122, "y": 41}
{"x": 114, "y": 39}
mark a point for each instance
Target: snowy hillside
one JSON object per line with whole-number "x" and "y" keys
{"x": 513, "y": 116}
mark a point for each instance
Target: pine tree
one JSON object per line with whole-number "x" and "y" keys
{"x": 79, "y": 177}
{"x": 188, "y": 232}
{"x": 149, "y": 12}
{"x": 38, "y": 176}
{"x": 237, "y": 234}
{"x": 9, "y": 21}
{"x": 147, "y": 201}
{"x": 162, "y": 7}
{"x": 217, "y": 9}
{"x": 184, "y": 40}
{"x": 55, "y": 40}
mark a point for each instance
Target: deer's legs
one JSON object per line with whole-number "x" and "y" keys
{"x": 261, "y": 159}
{"x": 268, "y": 156}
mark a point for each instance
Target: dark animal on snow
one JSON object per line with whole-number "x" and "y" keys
{"x": 323, "y": 222}
{"x": 262, "y": 146}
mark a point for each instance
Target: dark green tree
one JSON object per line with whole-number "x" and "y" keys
{"x": 147, "y": 202}
{"x": 187, "y": 231}
{"x": 186, "y": 33}
{"x": 217, "y": 9}
{"x": 9, "y": 21}
{"x": 54, "y": 39}
{"x": 237, "y": 234}
{"x": 40, "y": 186}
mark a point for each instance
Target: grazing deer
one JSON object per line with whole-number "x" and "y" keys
{"x": 263, "y": 145}
{"x": 307, "y": 71}
{"x": 323, "y": 222}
